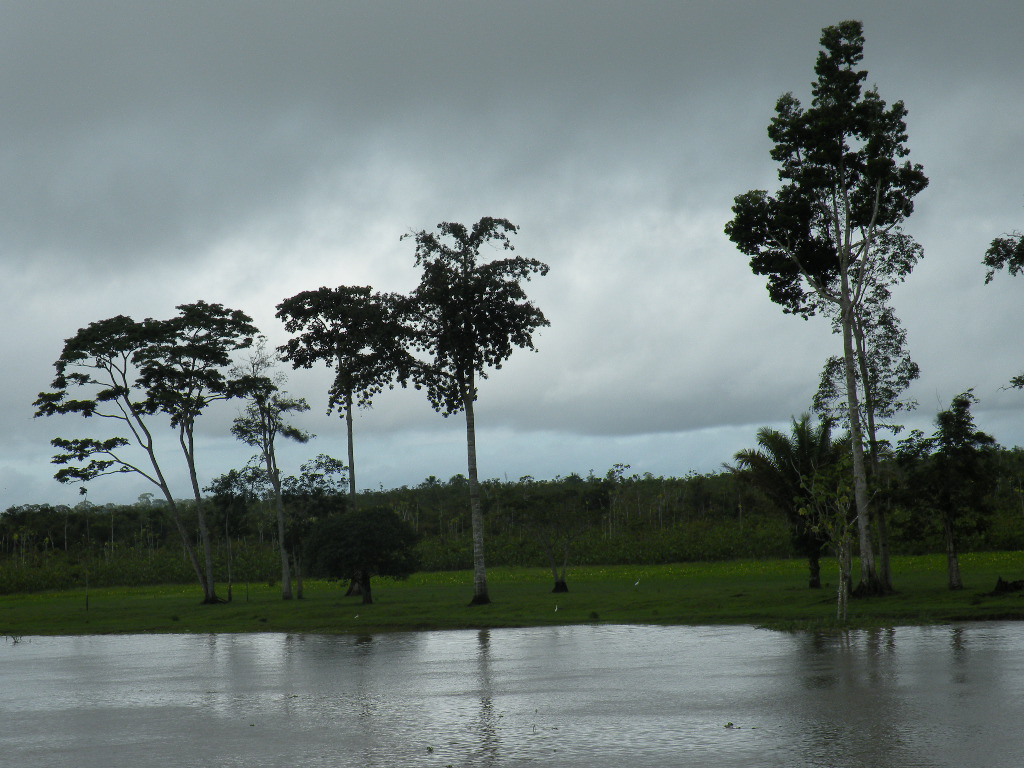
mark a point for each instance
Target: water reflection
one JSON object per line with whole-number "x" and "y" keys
{"x": 487, "y": 724}
{"x": 850, "y": 706}
{"x": 588, "y": 696}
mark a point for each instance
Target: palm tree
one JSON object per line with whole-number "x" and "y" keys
{"x": 778, "y": 468}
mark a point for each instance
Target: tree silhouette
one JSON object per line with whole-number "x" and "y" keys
{"x": 469, "y": 316}
{"x": 260, "y": 425}
{"x": 818, "y": 238}
{"x": 129, "y": 371}
{"x": 357, "y": 332}
{"x": 1006, "y": 252}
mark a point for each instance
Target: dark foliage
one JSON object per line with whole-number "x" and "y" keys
{"x": 360, "y": 544}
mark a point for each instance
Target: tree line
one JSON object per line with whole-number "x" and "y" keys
{"x": 594, "y": 519}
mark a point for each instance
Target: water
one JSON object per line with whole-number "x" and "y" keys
{"x": 558, "y": 696}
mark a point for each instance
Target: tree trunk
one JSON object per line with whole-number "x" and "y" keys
{"x": 210, "y": 592}
{"x": 480, "y": 595}
{"x": 561, "y": 585}
{"x": 297, "y": 561}
{"x": 869, "y": 583}
{"x": 814, "y": 566}
{"x": 351, "y": 451}
{"x": 231, "y": 575}
{"x": 559, "y": 579}
{"x": 845, "y": 568}
{"x": 187, "y": 442}
{"x": 186, "y": 540}
{"x": 878, "y": 510}
{"x": 364, "y": 584}
{"x": 286, "y": 579}
{"x": 952, "y": 557}
{"x": 884, "y": 564}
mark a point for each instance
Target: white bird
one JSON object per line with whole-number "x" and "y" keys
{"x": 637, "y": 585}
{"x": 556, "y": 607}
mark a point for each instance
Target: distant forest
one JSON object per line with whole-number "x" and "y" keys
{"x": 611, "y": 518}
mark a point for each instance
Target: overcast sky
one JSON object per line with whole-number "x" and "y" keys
{"x": 154, "y": 154}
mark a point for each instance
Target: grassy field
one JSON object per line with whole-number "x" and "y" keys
{"x": 764, "y": 593}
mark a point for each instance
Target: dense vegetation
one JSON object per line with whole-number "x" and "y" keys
{"x": 610, "y": 519}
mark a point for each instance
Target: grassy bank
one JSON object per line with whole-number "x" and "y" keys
{"x": 770, "y": 593}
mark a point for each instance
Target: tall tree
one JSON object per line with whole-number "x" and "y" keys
{"x": 779, "y": 466}
{"x": 260, "y": 425}
{"x": 128, "y": 372}
{"x": 184, "y": 372}
{"x": 357, "y": 332}
{"x": 1006, "y": 251}
{"x": 818, "y": 239}
{"x": 468, "y": 317}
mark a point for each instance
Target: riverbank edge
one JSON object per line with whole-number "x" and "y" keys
{"x": 771, "y": 594}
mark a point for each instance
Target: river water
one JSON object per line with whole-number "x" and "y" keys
{"x": 555, "y": 696}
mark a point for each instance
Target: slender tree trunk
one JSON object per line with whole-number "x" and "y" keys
{"x": 351, "y": 451}
{"x": 814, "y": 567}
{"x": 354, "y": 585}
{"x": 364, "y": 584}
{"x": 868, "y": 576}
{"x": 878, "y": 510}
{"x": 549, "y": 550}
{"x": 227, "y": 537}
{"x": 186, "y": 540}
{"x": 286, "y": 579}
{"x": 172, "y": 510}
{"x": 480, "y": 595}
{"x": 845, "y": 569}
{"x": 952, "y": 557}
{"x": 204, "y": 536}
{"x": 274, "y": 475}
{"x": 188, "y": 446}
{"x": 563, "y": 584}
{"x": 884, "y": 565}
{"x": 297, "y": 560}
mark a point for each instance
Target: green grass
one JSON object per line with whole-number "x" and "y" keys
{"x": 769, "y": 593}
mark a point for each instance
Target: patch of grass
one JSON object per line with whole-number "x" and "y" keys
{"x": 769, "y": 593}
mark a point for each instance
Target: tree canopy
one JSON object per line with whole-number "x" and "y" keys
{"x": 360, "y": 544}
{"x": 358, "y": 333}
{"x": 1006, "y": 252}
{"x": 260, "y": 425}
{"x": 468, "y": 315}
